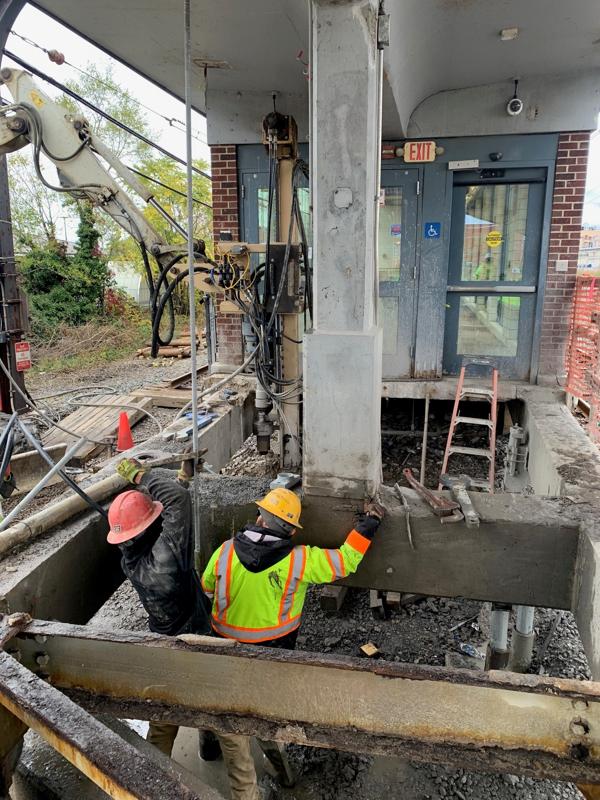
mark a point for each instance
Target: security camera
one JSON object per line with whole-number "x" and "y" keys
{"x": 515, "y": 104}
{"x": 514, "y": 107}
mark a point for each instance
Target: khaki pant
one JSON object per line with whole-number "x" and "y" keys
{"x": 236, "y": 755}
{"x": 240, "y": 766}
{"x": 162, "y": 735}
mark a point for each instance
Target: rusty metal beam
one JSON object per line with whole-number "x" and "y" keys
{"x": 492, "y": 721}
{"x": 111, "y": 763}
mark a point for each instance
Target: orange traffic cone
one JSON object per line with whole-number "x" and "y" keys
{"x": 124, "y": 437}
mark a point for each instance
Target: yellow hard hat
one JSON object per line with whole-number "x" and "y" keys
{"x": 284, "y": 504}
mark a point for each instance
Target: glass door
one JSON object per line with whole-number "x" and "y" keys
{"x": 493, "y": 273}
{"x": 397, "y": 269}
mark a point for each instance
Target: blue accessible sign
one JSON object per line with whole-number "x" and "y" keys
{"x": 432, "y": 230}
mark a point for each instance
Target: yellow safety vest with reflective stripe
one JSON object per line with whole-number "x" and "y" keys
{"x": 255, "y": 607}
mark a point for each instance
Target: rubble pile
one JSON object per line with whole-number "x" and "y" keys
{"x": 248, "y": 461}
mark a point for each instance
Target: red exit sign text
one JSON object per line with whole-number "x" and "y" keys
{"x": 418, "y": 152}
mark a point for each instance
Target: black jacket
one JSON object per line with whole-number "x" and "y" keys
{"x": 160, "y": 562}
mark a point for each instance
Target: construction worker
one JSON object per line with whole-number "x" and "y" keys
{"x": 152, "y": 527}
{"x": 257, "y": 582}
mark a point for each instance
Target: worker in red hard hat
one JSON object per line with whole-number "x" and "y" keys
{"x": 152, "y": 525}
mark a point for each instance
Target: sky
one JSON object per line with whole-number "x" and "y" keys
{"x": 591, "y": 206}
{"x": 51, "y": 35}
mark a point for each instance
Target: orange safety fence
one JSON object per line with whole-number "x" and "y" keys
{"x": 583, "y": 380}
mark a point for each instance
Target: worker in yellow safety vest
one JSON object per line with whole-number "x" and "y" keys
{"x": 257, "y": 582}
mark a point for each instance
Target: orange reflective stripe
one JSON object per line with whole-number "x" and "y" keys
{"x": 255, "y": 635}
{"x": 284, "y": 596}
{"x": 228, "y": 582}
{"x": 358, "y": 542}
{"x": 295, "y": 575}
{"x": 328, "y": 557}
{"x": 221, "y": 584}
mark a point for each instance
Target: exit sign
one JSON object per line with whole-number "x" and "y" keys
{"x": 418, "y": 152}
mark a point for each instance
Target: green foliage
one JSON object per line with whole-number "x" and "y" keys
{"x": 62, "y": 288}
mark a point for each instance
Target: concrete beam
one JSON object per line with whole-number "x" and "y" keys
{"x": 524, "y": 551}
{"x": 342, "y": 355}
{"x": 493, "y": 721}
{"x": 587, "y": 607}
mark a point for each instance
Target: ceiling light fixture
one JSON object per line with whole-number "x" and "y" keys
{"x": 508, "y": 34}
{"x": 211, "y": 63}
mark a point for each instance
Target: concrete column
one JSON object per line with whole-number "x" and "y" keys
{"x": 342, "y": 368}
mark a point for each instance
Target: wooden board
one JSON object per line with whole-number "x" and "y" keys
{"x": 164, "y": 398}
{"x": 98, "y": 423}
{"x": 179, "y": 380}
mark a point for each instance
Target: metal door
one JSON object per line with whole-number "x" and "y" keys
{"x": 495, "y": 242}
{"x": 397, "y": 264}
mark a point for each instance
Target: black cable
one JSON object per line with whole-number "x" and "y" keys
{"x": 166, "y": 186}
{"x": 38, "y": 73}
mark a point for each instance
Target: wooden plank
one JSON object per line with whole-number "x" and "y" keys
{"x": 180, "y": 379}
{"x": 165, "y": 398}
{"x": 98, "y": 423}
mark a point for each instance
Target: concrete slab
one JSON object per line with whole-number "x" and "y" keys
{"x": 563, "y": 461}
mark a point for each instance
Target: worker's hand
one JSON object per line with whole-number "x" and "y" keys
{"x": 368, "y": 522}
{"x": 186, "y": 470}
{"x": 130, "y": 469}
{"x": 375, "y": 510}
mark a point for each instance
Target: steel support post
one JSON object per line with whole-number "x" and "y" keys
{"x": 497, "y": 652}
{"x": 495, "y": 721}
{"x": 523, "y": 639}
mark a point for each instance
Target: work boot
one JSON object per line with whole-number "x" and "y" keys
{"x": 209, "y": 748}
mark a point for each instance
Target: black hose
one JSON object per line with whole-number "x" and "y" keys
{"x": 62, "y": 474}
{"x": 166, "y": 297}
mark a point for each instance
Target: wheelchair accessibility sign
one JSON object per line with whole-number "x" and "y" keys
{"x": 432, "y": 230}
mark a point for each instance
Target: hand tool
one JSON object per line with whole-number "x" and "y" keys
{"x": 406, "y": 514}
{"x": 458, "y": 486}
{"x": 441, "y": 506}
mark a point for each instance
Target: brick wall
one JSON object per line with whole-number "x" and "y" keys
{"x": 567, "y": 208}
{"x": 226, "y": 218}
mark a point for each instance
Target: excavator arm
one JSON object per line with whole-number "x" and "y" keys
{"x": 67, "y": 140}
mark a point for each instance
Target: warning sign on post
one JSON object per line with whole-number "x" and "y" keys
{"x": 22, "y": 356}
{"x": 494, "y": 239}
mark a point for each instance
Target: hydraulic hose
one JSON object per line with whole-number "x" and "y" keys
{"x": 166, "y": 297}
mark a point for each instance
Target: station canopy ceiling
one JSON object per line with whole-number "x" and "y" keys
{"x": 253, "y": 45}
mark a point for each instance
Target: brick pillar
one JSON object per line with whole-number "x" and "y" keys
{"x": 565, "y": 233}
{"x": 226, "y": 218}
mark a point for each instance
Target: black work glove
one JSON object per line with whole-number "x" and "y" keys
{"x": 368, "y": 523}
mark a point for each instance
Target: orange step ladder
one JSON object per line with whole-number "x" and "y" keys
{"x": 481, "y": 393}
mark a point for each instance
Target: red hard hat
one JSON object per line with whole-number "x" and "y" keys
{"x": 130, "y": 514}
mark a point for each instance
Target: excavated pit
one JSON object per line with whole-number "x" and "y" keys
{"x": 425, "y": 631}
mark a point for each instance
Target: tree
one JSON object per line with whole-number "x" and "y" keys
{"x": 35, "y": 210}
{"x": 63, "y": 288}
{"x": 168, "y": 172}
